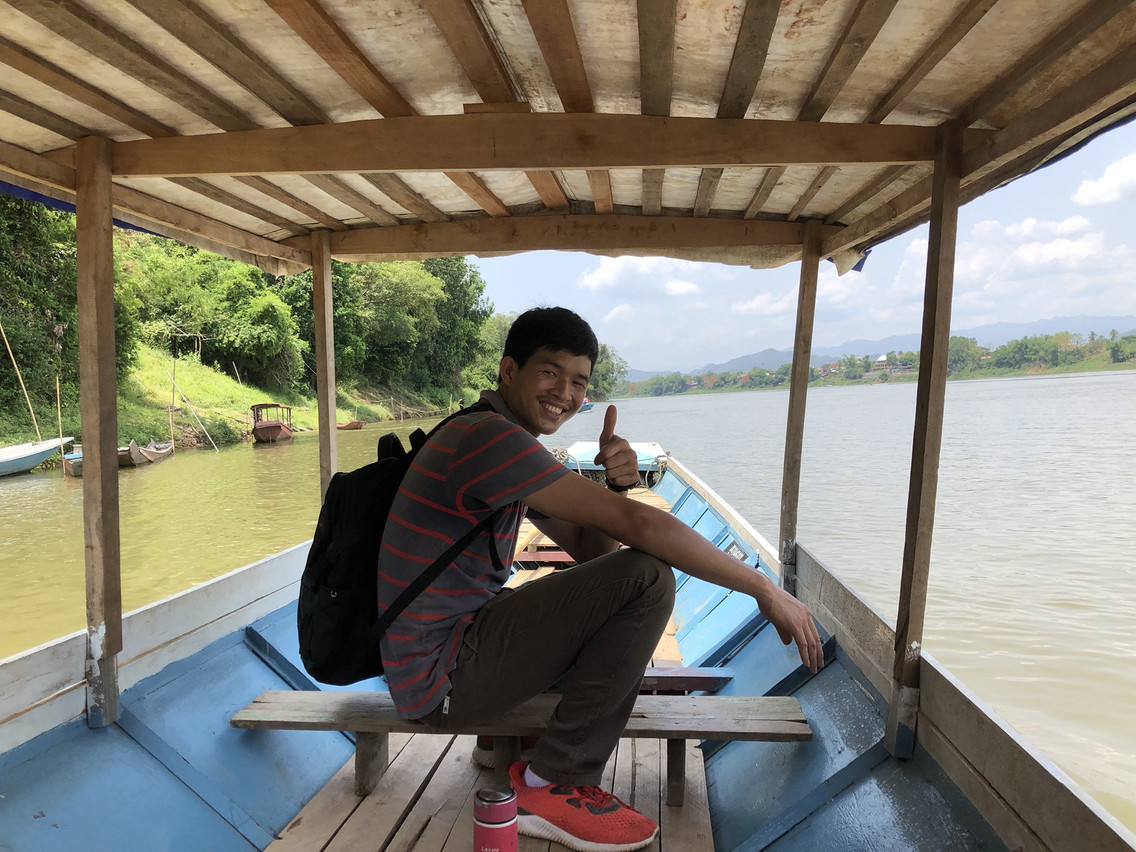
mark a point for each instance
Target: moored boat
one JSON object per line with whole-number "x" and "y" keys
{"x": 20, "y": 458}
{"x": 350, "y": 425}
{"x": 271, "y": 422}
{"x": 155, "y": 451}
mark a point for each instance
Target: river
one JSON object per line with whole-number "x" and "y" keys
{"x": 1032, "y": 600}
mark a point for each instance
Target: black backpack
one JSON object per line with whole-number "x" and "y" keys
{"x": 337, "y": 616}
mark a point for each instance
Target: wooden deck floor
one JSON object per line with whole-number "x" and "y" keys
{"x": 424, "y": 802}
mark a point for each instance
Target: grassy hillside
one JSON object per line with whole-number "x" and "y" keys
{"x": 208, "y": 401}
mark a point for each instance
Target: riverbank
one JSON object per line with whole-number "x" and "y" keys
{"x": 181, "y": 399}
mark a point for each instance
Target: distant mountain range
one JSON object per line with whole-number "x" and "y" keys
{"x": 990, "y": 336}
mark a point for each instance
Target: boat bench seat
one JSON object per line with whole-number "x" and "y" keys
{"x": 371, "y": 716}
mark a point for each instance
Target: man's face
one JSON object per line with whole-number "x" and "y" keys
{"x": 547, "y": 390}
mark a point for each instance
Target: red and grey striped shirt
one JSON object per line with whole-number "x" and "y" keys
{"x": 473, "y": 466}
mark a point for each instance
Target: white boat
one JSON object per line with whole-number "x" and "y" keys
{"x": 20, "y": 458}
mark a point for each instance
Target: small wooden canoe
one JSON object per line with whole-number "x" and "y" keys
{"x": 155, "y": 451}
{"x": 350, "y": 424}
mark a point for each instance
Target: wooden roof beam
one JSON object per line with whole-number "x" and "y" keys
{"x": 560, "y": 232}
{"x": 551, "y": 22}
{"x": 751, "y": 48}
{"x": 1108, "y": 87}
{"x": 58, "y": 181}
{"x": 316, "y": 27}
{"x": 863, "y": 26}
{"x": 522, "y": 142}
{"x": 656, "y": 21}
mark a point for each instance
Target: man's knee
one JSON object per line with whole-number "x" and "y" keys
{"x": 656, "y": 575}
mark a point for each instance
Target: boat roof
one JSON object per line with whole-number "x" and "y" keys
{"x": 407, "y": 129}
{"x": 262, "y": 405}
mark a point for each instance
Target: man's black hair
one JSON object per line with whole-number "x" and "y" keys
{"x": 558, "y": 329}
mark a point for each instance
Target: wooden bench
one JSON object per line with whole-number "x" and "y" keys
{"x": 371, "y": 716}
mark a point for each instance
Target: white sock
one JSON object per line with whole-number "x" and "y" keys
{"x": 534, "y": 780}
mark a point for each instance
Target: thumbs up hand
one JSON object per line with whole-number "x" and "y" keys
{"x": 619, "y": 460}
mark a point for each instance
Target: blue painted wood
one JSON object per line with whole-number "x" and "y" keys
{"x": 693, "y": 600}
{"x": 77, "y": 788}
{"x": 796, "y": 813}
{"x": 269, "y": 775}
{"x": 845, "y": 726}
{"x": 729, "y": 616}
{"x": 275, "y": 640}
{"x": 671, "y": 488}
{"x": 210, "y": 792}
{"x": 895, "y": 807}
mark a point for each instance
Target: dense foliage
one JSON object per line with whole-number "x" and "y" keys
{"x": 965, "y": 359}
{"x": 424, "y": 328}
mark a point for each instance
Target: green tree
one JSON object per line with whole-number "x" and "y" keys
{"x": 853, "y": 367}
{"x": 963, "y": 354}
{"x": 608, "y": 373}
{"x": 455, "y": 343}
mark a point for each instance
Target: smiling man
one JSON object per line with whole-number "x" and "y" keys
{"x": 468, "y": 649}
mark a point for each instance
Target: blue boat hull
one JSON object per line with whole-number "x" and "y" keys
{"x": 23, "y": 457}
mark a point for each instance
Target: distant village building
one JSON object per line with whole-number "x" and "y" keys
{"x": 881, "y": 363}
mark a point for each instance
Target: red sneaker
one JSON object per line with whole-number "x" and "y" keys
{"x": 586, "y": 819}
{"x": 483, "y": 754}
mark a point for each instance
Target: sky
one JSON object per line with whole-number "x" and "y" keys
{"x": 1057, "y": 243}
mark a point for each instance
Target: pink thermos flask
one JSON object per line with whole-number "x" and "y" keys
{"x": 495, "y": 820}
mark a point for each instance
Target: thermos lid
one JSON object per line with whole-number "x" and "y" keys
{"x": 495, "y": 795}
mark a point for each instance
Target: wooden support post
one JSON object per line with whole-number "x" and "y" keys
{"x": 325, "y": 356}
{"x": 99, "y": 412}
{"x": 798, "y": 390}
{"x": 676, "y": 772}
{"x": 506, "y": 752}
{"x": 929, "y": 403}
{"x": 372, "y": 757}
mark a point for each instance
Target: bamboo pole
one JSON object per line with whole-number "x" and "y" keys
{"x": 59, "y": 417}
{"x": 323, "y": 315}
{"x": 194, "y": 413}
{"x": 21, "y": 379}
{"x": 244, "y": 396}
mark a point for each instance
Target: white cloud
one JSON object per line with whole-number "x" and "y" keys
{"x": 1067, "y": 254}
{"x": 677, "y": 287}
{"x": 617, "y": 311}
{"x": 766, "y": 304}
{"x": 1117, "y": 182}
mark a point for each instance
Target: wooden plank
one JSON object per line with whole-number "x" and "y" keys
{"x": 689, "y": 827}
{"x": 523, "y": 142}
{"x": 74, "y": 23}
{"x": 600, "y": 183}
{"x": 551, "y": 23}
{"x": 323, "y": 320}
{"x": 929, "y": 407}
{"x": 865, "y": 24}
{"x": 748, "y": 61}
{"x": 286, "y": 198}
{"x": 762, "y": 718}
{"x": 372, "y": 757}
{"x": 354, "y": 199}
{"x": 810, "y": 193}
{"x": 764, "y": 189}
{"x": 798, "y": 393}
{"x": 465, "y": 33}
{"x": 435, "y": 815}
{"x": 374, "y": 822}
{"x": 656, "y": 22}
{"x": 461, "y": 838}
{"x": 999, "y": 771}
{"x": 476, "y": 189}
{"x": 686, "y": 678}
{"x": 236, "y": 202}
{"x": 1076, "y": 29}
{"x": 314, "y": 25}
{"x": 563, "y": 233}
{"x": 94, "y": 241}
{"x": 210, "y": 38}
{"x": 79, "y": 90}
{"x": 396, "y": 189}
{"x": 648, "y": 781}
{"x": 549, "y": 189}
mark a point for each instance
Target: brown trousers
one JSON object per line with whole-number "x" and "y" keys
{"x": 589, "y": 630}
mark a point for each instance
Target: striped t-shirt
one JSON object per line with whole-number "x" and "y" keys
{"x": 471, "y": 467}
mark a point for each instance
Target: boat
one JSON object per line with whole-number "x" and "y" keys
{"x": 580, "y": 456}
{"x": 124, "y": 457}
{"x": 271, "y": 422}
{"x": 20, "y": 458}
{"x": 350, "y": 425}
{"x": 755, "y": 134}
{"x": 587, "y": 405}
{"x": 155, "y": 451}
